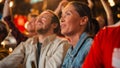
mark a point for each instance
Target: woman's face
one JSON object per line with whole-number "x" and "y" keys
{"x": 70, "y": 20}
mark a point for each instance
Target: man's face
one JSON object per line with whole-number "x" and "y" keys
{"x": 43, "y": 22}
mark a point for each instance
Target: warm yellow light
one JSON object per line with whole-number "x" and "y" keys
{"x": 1, "y": 1}
{"x": 11, "y": 4}
{"x": 10, "y": 50}
{"x": 3, "y": 43}
{"x": 112, "y": 3}
{"x": 118, "y": 15}
{"x": 26, "y": 25}
{"x": 26, "y": 33}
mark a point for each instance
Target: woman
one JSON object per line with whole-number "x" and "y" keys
{"x": 75, "y": 25}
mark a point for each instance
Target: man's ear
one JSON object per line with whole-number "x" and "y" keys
{"x": 84, "y": 20}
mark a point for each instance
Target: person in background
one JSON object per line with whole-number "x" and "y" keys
{"x": 45, "y": 50}
{"x": 75, "y": 26}
{"x": 3, "y": 33}
{"x": 105, "y": 50}
{"x": 8, "y": 20}
{"x": 94, "y": 27}
{"x": 90, "y": 4}
{"x": 108, "y": 11}
{"x": 30, "y": 27}
{"x": 30, "y": 24}
{"x": 101, "y": 18}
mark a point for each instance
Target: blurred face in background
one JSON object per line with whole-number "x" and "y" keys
{"x": 31, "y": 25}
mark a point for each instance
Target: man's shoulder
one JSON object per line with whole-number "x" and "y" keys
{"x": 60, "y": 39}
{"x": 32, "y": 39}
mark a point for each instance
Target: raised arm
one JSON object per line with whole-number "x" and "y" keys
{"x": 7, "y": 17}
{"x": 90, "y": 4}
{"x": 6, "y": 9}
{"x": 60, "y": 6}
{"x": 108, "y": 12}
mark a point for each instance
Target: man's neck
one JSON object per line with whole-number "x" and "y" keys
{"x": 43, "y": 36}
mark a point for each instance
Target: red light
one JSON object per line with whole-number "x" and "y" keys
{"x": 20, "y": 21}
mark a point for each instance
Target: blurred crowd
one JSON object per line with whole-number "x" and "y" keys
{"x": 76, "y": 34}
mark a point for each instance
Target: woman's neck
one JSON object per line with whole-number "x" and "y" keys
{"x": 73, "y": 39}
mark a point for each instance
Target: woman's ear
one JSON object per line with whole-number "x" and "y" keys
{"x": 84, "y": 20}
{"x": 54, "y": 25}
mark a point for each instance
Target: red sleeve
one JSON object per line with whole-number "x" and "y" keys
{"x": 94, "y": 57}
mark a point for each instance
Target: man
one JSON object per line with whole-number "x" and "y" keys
{"x": 105, "y": 51}
{"x": 45, "y": 50}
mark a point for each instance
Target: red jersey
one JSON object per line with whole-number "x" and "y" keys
{"x": 105, "y": 50}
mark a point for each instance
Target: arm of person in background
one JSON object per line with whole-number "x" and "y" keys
{"x": 60, "y": 6}
{"x": 108, "y": 12}
{"x": 6, "y": 9}
{"x": 7, "y": 17}
{"x": 90, "y": 4}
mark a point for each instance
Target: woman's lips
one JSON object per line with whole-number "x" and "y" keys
{"x": 62, "y": 26}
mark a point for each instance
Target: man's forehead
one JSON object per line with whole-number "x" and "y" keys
{"x": 46, "y": 13}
